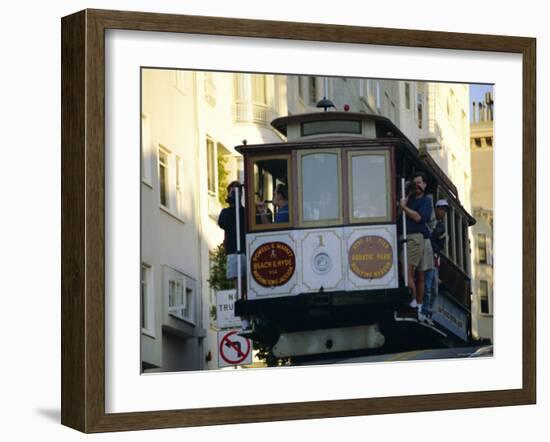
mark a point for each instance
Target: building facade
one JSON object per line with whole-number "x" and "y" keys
{"x": 434, "y": 116}
{"x": 190, "y": 123}
{"x": 481, "y": 146}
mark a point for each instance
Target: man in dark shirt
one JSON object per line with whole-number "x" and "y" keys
{"x": 418, "y": 210}
{"x": 227, "y": 221}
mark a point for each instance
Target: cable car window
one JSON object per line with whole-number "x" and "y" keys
{"x": 369, "y": 184}
{"x": 331, "y": 127}
{"x": 320, "y": 188}
{"x": 270, "y": 202}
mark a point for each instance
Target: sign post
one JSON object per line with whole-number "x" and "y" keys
{"x": 233, "y": 349}
{"x": 225, "y": 310}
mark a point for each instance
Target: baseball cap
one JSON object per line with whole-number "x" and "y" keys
{"x": 442, "y": 203}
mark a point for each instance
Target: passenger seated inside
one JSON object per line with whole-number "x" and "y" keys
{"x": 263, "y": 212}
{"x": 280, "y": 203}
{"x": 270, "y": 190}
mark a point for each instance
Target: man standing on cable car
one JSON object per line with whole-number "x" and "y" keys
{"x": 418, "y": 210}
{"x": 227, "y": 221}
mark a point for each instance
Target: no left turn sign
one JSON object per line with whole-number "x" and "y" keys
{"x": 233, "y": 349}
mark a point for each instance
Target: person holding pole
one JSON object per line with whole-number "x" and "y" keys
{"x": 417, "y": 208}
{"x": 228, "y": 219}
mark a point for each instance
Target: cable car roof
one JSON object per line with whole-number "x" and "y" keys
{"x": 384, "y": 126}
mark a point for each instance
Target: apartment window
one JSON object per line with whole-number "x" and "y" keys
{"x": 147, "y": 298}
{"x": 179, "y": 186}
{"x": 146, "y": 150}
{"x": 329, "y": 86}
{"x": 170, "y": 170}
{"x": 218, "y": 171}
{"x": 484, "y": 297}
{"x": 164, "y": 177}
{"x": 407, "y": 96}
{"x": 209, "y": 88}
{"x": 259, "y": 89}
{"x": 312, "y": 85}
{"x": 211, "y": 158}
{"x": 179, "y": 81}
{"x": 449, "y": 105}
{"x": 482, "y": 248}
{"x": 251, "y": 95}
{"x": 368, "y": 92}
{"x": 419, "y": 109}
{"x": 181, "y": 295}
{"x": 217, "y": 158}
{"x": 478, "y": 142}
{"x": 490, "y": 250}
{"x": 489, "y": 141}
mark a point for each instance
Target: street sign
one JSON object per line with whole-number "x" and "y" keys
{"x": 225, "y": 309}
{"x": 451, "y": 316}
{"x": 233, "y": 349}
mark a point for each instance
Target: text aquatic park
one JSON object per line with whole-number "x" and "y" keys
{"x": 370, "y": 257}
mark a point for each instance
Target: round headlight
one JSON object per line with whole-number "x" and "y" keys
{"x": 321, "y": 263}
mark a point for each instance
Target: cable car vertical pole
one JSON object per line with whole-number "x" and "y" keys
{"x": 325, "y": 89}
{"x": 404, "y": 217}
{"x": 238, "y": 228}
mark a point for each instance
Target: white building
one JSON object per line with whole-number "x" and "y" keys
{"x": 435, "y": 116}
{"x": 482, "y": 200}
{"x": 191, "y": 121}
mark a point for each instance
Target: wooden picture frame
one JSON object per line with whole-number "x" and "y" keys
{"x": 83, "y": 220}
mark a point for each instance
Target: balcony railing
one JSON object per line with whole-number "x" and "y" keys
{"x": 250, "y": 112}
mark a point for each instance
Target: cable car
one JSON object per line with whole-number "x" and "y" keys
{"x": 322, "y": 246}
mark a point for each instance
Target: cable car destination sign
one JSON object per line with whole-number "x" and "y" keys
{"x": 370, "y": 257}
{"x": 273, "y": 264}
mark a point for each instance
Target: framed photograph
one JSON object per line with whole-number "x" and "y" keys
{"x": 267, "y": 221}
